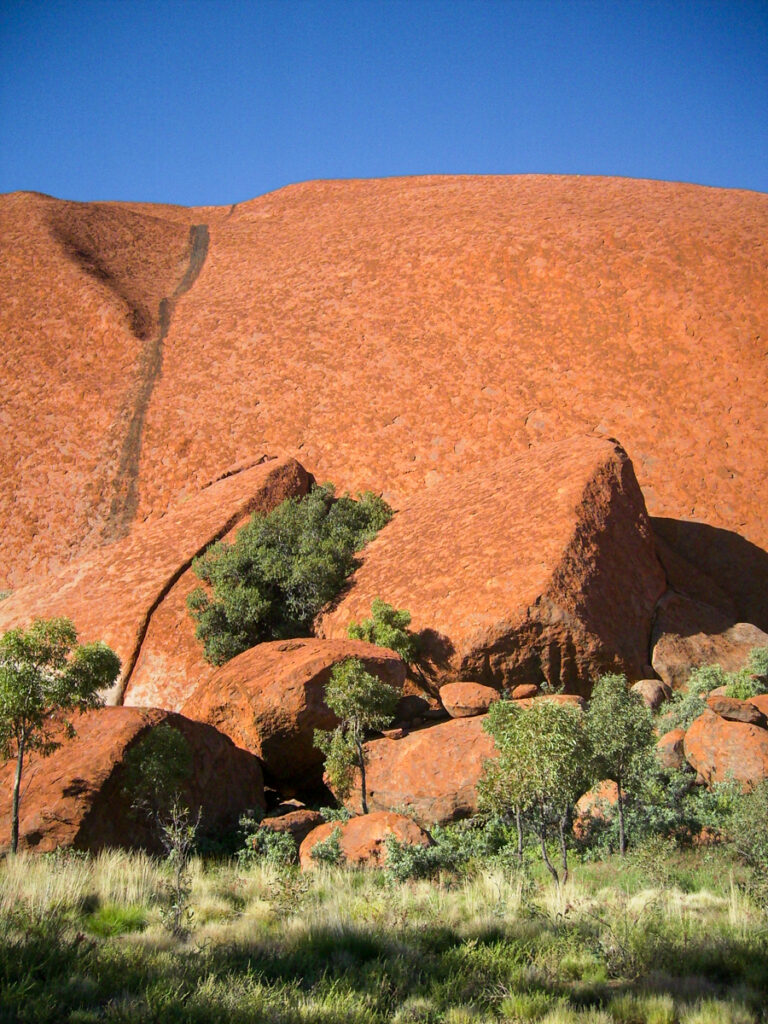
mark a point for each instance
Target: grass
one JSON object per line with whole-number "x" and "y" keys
{"x": 82, "y": 940}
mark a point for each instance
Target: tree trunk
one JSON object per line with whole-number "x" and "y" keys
{"x": 519, "y": 824}
{"x": 622, "y": 835}
{"x": 563, "y": 846}
{"x": 16, "y": 789}
{"x": 361, "y": 764}
{"x": 547, "y": 861}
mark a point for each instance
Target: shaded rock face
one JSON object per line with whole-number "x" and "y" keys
{"x": 298, "y": 824}
{"x": 719, "y": 750}
{"x": 362, "y": 840}
{"x": 688, "y": 634}
{"x": 270, "y": 700}
{"x": 542, "y": 566}
{"x": 75, "y": 796}
{"x": 652, "y": 692}
{"x": 599, "y": 802}
{"x": 433, "y": 772}
{"x": 131, "y": 594}
{"x": 463, "y": 700}
{"x": 735, "y": 710}
{"x": 670, "y": 749}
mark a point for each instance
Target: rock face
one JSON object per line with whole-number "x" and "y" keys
{"x": 688, "y": 634}
{"x": 362, "y": 840}
{"x": 719, "y": 750}
{"x": 506, "y": 588}
{"x": 476, "y": 304}
{"x": 599, "y": 802}
{"x": 433, "y": 772}
{"x": 270, "y": 700}
{"x": 131, "y": 594}
{"x": 652, "y": 692}
{"x": 298, "y": 824}
{"x": 463, "y": 700}
{"x": 75, "y": 796}
{"x": 737, "y": 710}
{"x": 670, "y": 749}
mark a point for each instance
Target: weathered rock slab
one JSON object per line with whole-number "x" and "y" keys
{"x": 505, "y": 587}
{"x": 720, "y": 750}
{"x": 463, "y": 700}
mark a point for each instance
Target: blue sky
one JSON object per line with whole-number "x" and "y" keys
{"x": 216, "y": 101}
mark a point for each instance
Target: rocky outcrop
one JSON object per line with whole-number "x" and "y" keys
{"x": 463, "y": 700}
{"x": 131, "y": 594}
{"x": 688, "y": 634}
{"x": 670, "y": 749}
{"x": 734, "y": 710}
{"x": 652, "y": 692}
{"x": 362, "y": 840}
{"x": 539, "y": 567}
{"x": 298, "y": 824}
{"x": 433, "y": 772}
{"x": 75, "y": 797}
{"x": 270, "y": 700}
{"x": 720, "y": 750}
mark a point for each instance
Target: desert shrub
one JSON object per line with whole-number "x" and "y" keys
{"x": 335, "y": 814}
{"x": 280, "y": 570}
{"x": 387, "y": 627}
{"x": 457, "y": 847}
{"x": 111, "y": 919}
{"x": 265, "y": 844}
{"x": 328, "y": 851}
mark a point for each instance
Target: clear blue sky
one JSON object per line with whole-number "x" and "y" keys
{"x": 216, "y": 101}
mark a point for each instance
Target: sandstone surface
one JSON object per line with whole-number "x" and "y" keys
{"x": 298, "y": 824}
{"x": 433, "y": 772}
{"x": 688, "y": 634}
{"x": 524, "y": 691}
{"x": 542, "y": 566}
{"x": 652, "y": 692}
{"x": 463, "y": 700}
{"x": 735, "y": 710}
{"x": 720, "y": 750}
{"x": 598, "y": 802}
{"x": 131, "y": 593}
{"x": 670, "y": 749}
{"x": 362, "y": 839}
{"x": 173, "y": 342}
{"x": 75, "y": 796}
{"x": 270, "y": 699}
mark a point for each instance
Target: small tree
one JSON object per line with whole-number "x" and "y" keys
{"x": 44, "y": 675}
{"x": 542, "y": 768}
{"x": 362, "y": 702}
{"x": 155, "y": 770}
{"x": 387, "y": 627}
{"x": 620, "y": 729}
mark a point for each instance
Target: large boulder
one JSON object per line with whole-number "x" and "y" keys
{"x": 270, "y": 700}
{"x": 433, "y": 772}
{"x": 362, "y": 840}
{"x": 688, "y": 634}
{"x": 132, "y": 594}
{"x": 75, "y": 796}
{"x": 735, "y": 710}
{"x": 652, "y": 692}
{"x": 720, "y": 750}
{"x": 542, "y": 566}
{"x": 297, "y": 824}
{"x": 463, "y": 700}
{"x": 670, "y": 749}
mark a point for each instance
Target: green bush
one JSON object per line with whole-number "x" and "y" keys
{"x": 387, "y": 627}
{"x": 111, "y": 919}
{"x": 269, "y": 846}
{"x": 328, "y": 851}
{"x": 280, "y": 570}
{"x": 456, "y": 848}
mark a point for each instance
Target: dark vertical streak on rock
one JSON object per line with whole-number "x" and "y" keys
{"x": 125, "y": 484}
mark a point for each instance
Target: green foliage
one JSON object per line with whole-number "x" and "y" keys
{"x": 269, "y": 846}
{"x": 457, "y": 847}
{"x": 387, "y": 627}
{"x": 621, "y": 736}
{"x": 111, "y": 919}
{"x": 362, "y": 702}
{"x": 280, "y": 570}
{"x": 757, "y": 662}
{"x": 750, "y": 681}
{"x": 328, "y": 851}
{"x": 747, "y": 827}
{"x": 542, "y": 768}
{"x": 155, "y": 769}
{"x": 44, "y": 675}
